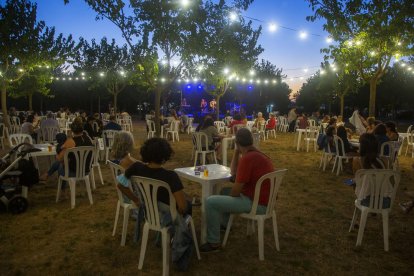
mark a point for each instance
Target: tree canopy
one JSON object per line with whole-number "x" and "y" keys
{"x": 367, "y": 35}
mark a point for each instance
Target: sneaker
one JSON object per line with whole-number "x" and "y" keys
{"x": 208, "y": 247}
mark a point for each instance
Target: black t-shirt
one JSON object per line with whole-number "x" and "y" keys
{"x": 170, "y": 177}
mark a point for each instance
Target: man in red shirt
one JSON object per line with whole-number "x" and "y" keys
{"x": 248, "y": 165}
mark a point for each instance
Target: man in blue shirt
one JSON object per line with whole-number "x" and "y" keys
{"x": 112, "y": 125}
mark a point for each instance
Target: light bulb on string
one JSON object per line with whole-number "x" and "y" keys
{"x": 185, "y": 3}
{"x": 226, "y": 71}
{"x": 329, "y": 39}
{"x": 233, "y": 16}
{"x": 303, "y": 35}
{"x": 272, "y": 27}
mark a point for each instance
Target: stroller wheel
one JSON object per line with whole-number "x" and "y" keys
{"x": 18, "y": 205}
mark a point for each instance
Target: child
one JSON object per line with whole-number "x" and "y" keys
{"x": 60, "y": 139}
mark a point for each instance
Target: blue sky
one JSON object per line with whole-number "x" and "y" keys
{"x": 283, "y": 48}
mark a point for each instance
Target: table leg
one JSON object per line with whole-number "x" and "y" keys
{"x": 224, "y": 151}
{"x": 206, "y": 190}
{"x": 298, "y": 142}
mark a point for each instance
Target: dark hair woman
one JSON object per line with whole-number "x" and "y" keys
{"x": 155, "y": 152}
{"x": 391, "y": 131}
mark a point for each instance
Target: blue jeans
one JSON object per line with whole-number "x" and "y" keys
{"x": 53, "y": 168}
{"x": 218, "y": 209}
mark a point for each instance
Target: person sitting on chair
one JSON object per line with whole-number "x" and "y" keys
{"x": 247, "y": 166}
{"x": 155, "y": 152}
{"x": 112, "y": 125}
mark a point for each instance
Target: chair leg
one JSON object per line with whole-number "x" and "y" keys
{"x": 339, "y": 168}
{"x": 125, "y": 226}
{"x": 144, "y": 242}
{"x": 226, "y": 235}
{"x": 363, "y": 221}
{"x": 72, "y": 187}
{"x": 58, "y": 189}
{"x": 100, "y": 174}
{"x": 92, "y": 177}
{"x": 353, "y": 220}
{"x": 165, "y": 251}
{"x": 204, "y": 158}
{"x": 385, "y": 229}
{"x": 334, "y": 165}
{"x": 275, "y": 232}
{"x": 88, "y": 190}
{"x": 118, "y": 206}
{"x": 260, "y": 234}
{"x": 193, "y": 232}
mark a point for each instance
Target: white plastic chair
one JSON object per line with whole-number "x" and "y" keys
{"x": 392, "y": 156}
{"x": 108, "y": 136}
{"x": 83, "y": 158}
{"x": 49, "y": 134}
{"x": 380, "y": 185}
{"x": 15, "y": 139}
{"x": 149, "y": 188}
{"x": 272, "y": 131}
{"x": 275, "y": 180}
{"x": 326, "y": 155}
{"x": 250, "y": 124}
{"x": 15, "y": 125}
{"x": 311, "y": 135}
{"x": 200, "y": 144}
{"x": 339, "y": 154}
{"x": 127, "y": 206}
{"x": 190, "y": 127}
{"x": 151, "y": 129}
{"x": 99, "y": 145}
{"x": 410, "y": 142}
{"x": 173, "y": 131}
{"x": 262, "y": 130}
{"x": 220, "y": 125}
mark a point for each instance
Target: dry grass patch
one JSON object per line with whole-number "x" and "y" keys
{"x": 314, "y": 211}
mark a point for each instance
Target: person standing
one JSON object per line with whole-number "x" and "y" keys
{"x": 247, "y": 166}
{"x": 292, "y": 119}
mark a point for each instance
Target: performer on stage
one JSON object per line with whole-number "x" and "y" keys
{"x": 203, "y": 105}
{"x": 213, "y": 104}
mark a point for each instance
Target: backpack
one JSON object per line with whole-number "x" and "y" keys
{"x": 322, "y": 141}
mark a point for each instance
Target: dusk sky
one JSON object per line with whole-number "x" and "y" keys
{"x": 283, "y": 48}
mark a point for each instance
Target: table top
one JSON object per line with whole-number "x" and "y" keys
{"x": 44, "y": 150}
{"x": 215, "y": 172}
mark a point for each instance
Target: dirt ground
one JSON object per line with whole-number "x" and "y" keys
{"x": 314, "y": 210}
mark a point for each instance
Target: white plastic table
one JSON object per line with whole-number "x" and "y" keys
{"x": 216, "y": 174}
{"x": 44, "y": 150}
{"x": 354, "y": 143}
{"x": 225, "y": 142}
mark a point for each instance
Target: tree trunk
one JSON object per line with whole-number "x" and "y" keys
{"x": 372, "y": 96}
{"x": 30, "y": 99}
{"x": 4, "y": 104}
{"x": 218, "y": 107}
{"x": 342, "y": 98}
{"x": 115, "y": 102}
{"x": 157, "y": 101}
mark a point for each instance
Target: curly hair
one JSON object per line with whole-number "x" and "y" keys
{"x": 77, "y": 125}
{"x": 156, "y": 150}
{"x": 123, "y": 144}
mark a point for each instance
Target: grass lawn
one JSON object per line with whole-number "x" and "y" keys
{"x": 314, "y": 210}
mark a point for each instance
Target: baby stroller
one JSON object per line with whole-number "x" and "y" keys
{"x": 17, "y": 175}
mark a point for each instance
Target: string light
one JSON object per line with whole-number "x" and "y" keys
{"x": 185, "y": 3}
{"x": 233, "y": 16}
{"x": 303, "y": 35}
{"x": 272, "y": 27}
{"x": 329, "y": 39}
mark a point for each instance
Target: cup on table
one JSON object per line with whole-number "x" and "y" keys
{"x": 50, "y": 147}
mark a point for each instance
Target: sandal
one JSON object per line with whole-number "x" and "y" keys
{"x": 407, "y": 206}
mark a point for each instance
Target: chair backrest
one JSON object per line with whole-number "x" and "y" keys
{"x": 117, "y": 170}
{"x": 256, "y": 140}
{"x": 98, "y": 145}
{"x": 200, "y": 141}
{"x": 15, "y": 120}
{"x": 18, "y": 138}
{"x": 378, "y": 184}
{"x": 148, "y": 189}
{"x": 61, "y": 122}
{"x": 108, "y": 136}
{"x": 339, "y": 146}
{"x": 78, "y": 161}
{"x": 410, "y": 136}
{"x": 175, "y": 125}
{"x": 95, "y": 127}
{"x": 49, "y": 133}
{"x": 311, "y": 122}
{"x": 151, "y": 125}
{"x": 250, "y": 124}
{"x": 273, "y": 180}
{"x": 393, "y": 149}
{"x": 312, "y": 132}
{"x": 261, "y": 126}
